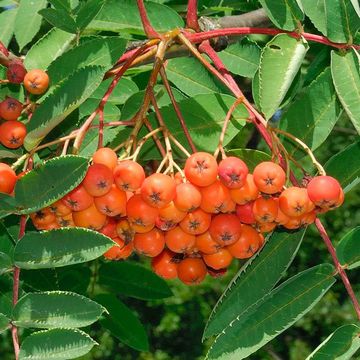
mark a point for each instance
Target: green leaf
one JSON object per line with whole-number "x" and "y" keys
{"x": 242, "y": 58}
{"x": 7, "y": 24}
{"x": 5, "y": 263}
{"x": 283, "y": 56}
{"x": 9, "y": 153}
{"x": 348, "y": 249}
{"x": 345, "y": 166}
{"x": 356, "y": 6}
{"x": 133, "y": 280}
{"x": 43, "y": 185}
{"x": 61, "y": 4}
{"x": 254, "y": 280}
{"x": 60, "y": 19}
{"x": 346, "y": 78}
{"x": 60, "y": 247}
{"x": 336, "y": 19}
{"x": 62, "y": 102}
{"x": 278, "y": 311}
{"x": 342, "y": 344}
{"x": 285, "y": 14}
{"x": 204, "y": 116}
{"x": 28, "y": 21}
{"x": 87, "y": 12}
{"x": 123, "y": 323}
{"x": 118, "y": 17}
{"x": 4, "y": 323}
{"x": 7, "y": 205}
{"x": 124, "y": 89}
{"x": 55, "y": 309}
{"x": 56, "y": 344}
{"x": 251, "y": 157}
{"x": 192, "y": 78}
{"x": 313, "y": 114}
{"x": 98, "y": 51}
{"x": 47, "y": 49}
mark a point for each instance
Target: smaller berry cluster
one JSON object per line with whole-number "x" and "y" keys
{"x": 192, "y": 224}
{"x": 12, "y": 129}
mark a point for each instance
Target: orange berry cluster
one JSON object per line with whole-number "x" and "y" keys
{"x": 13, "y": 131}
{"x": 189, "y": 226}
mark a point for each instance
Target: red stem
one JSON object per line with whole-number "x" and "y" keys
{"x": 177, "y": 110}
{"x": 155, "y": 137}
{"x": 191, "y": 16}
{"x": 207, "y": 35}
{"x": 149, "y": 30}
{"x": 338, "y": 266}
{"x": 16, "y": 281}
{"x": 3, "y": 49}
{"x": 101, "y": 128}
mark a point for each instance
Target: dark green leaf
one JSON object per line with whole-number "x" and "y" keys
{"x": 47, "y": 49}
{"x": 28, "y": 21}
{"x": 283, "y": 56}
{"x": 312, "y": 115}
{"x": 254, "y": 280}
{"x": 250, "y": 156}
{"x": 7, "y": 205}
{"x": 192, "y": 78}
{"x": 285, "y": 14}
{"x": 346, "y": 77}
{"x": 118, "y": 17}
{"x": 341, "y": 344}
{"x": 123, "y": 323}
{"x": 277, "y": 311}
{"x": 87, "y": 13}
{"x": 4, "y": 323}
{"x": 345, "y": 166}
{"x": 97, "y": 51}
{"x": 60, "y": 19}
{"x": 55, "y": 309}
{"x": 62, "y": 102}
{"x": 5, "y": 263}
{"x": 61, "y": 247}
{"x": 242, "y": 58}
{"x": 133, "y": 280}
{"x": 56, "y": 344}
{"x": 43, "y": 185}
{"x": 348, "y": 249}
{"x": 61, "y": 4}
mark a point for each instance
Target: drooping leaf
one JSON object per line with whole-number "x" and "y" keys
{"x": 133, "y": 280}
{"x": 118, "y": 17}
{"x": 4, "y": 323}
{"x": 277, "y": 311}
{"x": 346, "y": 77}
{"x": 342, "y": 344}
{"x": 97, "y": 51}
{"x": 43, "y": 185}
{"x": 59, "y": 18}
{"x": 254, "y": 280}
{"x": 345, "y": 167}
{"x": 283, "y": 56}
{"x": 87, "y": 12}
{"x": 60, "y": 247}
{"x": 56, "y": 344}
{"x": 9, "y": 153}
{"x": 348, "y": 249}
{"x": 47, "y": 310}
{"x": 285, "y": 14}
{"x": 313, "y": 114}
{"x": 47, "y": 49}
{"x": 241, "y": 58}
{"x": 250, "y": 156}
{"x": 336, "y": 19}
{"x": 123, "y": 323}
{"x": 62, "y": 102}
{"x": 28, "y": 21}
{"x": 5, "y": 263}
{"x": 7, "y": 24}
{"x": 192, "y": 78}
